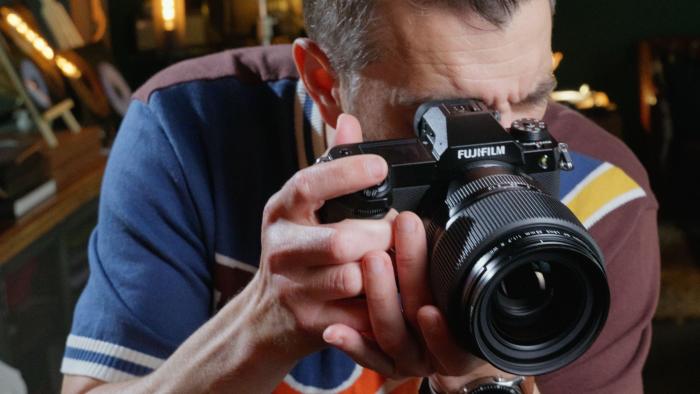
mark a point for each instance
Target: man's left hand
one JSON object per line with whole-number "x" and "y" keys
{"x": 410, "y": 336}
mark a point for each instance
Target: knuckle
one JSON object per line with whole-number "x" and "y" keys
{"x": 304, "y": 322}
{"x": 337, "y": 281}
{"x": 340, "y": 246}
{"x": 301, "y": 187}
{"x": 276, "y": 256}
{"x": 345, "y": 281}
{"x": 274, "y": 261}
{"x": 269, "y": 211}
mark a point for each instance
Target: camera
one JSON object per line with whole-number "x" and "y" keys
{"x": 519, "y": 279}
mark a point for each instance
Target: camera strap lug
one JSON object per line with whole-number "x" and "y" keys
{"x": 566, "y": 163}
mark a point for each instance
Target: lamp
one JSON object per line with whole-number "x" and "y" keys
{"x": 169, "y": 21}
{"x": 38, "y": 43}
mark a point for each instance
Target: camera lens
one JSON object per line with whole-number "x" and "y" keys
{"x": 517, "y": 275}
{"x": 524, "y": 308}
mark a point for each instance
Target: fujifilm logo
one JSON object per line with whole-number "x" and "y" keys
{"x": 476, "y": 153}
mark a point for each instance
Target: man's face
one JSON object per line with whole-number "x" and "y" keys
{"x": 442, "y": 54}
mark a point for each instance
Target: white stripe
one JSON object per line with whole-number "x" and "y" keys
{"x": 588, "y": 179}
{"x": 215, "y": 300}
{"x": 612, "y": 205}
{"x": 289, "y": 379}
{"x": 98, "y": 371}
{"x": 113, "y": 350}
{"x": 233, "y": 263}
{"x": 299, "y": 124}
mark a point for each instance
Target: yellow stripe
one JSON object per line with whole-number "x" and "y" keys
{"x": 607, "y": 186}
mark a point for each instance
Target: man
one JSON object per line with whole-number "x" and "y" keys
{"x": 209, "y": 141}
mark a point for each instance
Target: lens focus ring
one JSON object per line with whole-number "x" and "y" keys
{"x": 483, "y": 221}
{"x": 483, "y": 186}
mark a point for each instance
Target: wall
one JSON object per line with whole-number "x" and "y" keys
{"x": 599, "y": 40}
{"x": 246, "y": 15}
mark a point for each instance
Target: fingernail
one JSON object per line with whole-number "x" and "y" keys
{"x": 331, "y": 337}
{"x": 433, "y": 322}
{"x": 375, "y": 167}
{"x": 340, "y": 120}
{"x": 406, "y": 224}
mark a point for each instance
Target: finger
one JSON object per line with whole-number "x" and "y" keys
{"x": 349, "y": 312}
{"x": 388, "y": 323}
{"x": 309, "y": 188}
{"x": 411, "y": 263}
{"x": 290, "y": 246}
{"x": 348, "y": 130}
{"x": 360, "y": 349}
{"x": 335, "y": 282}
{"x": 444, "y": 349}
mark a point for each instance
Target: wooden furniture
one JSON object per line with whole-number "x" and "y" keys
{"x": 43, "y": 268}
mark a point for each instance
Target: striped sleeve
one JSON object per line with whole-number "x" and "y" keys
{"x": 148, "y": 288}
{"x": 597, "y": 188}
{"x": 105, "y": 360}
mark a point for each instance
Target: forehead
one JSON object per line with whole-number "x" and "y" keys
{"x": 437, "y": 51}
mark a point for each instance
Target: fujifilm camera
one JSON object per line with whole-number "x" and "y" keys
{"x": 518, "y": 277}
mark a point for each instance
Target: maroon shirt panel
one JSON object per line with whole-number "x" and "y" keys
{"x": 249, "y": 65}
{"x": 615, "y": 361}
{"x": 629, "y": 239}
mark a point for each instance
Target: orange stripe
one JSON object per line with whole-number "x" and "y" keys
{"x": 284, "y": 388}
{"x": 368, "y": 382}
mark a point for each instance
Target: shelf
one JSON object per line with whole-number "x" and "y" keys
{"x": 30, "y": 228}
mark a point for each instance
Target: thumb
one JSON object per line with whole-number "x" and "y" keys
{"x": 348, "y": 130}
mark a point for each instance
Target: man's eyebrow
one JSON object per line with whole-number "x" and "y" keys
{"x": 402, "y": 99}
{"x": 541, "y": 93}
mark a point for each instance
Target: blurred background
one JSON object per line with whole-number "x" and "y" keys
{"x": 67, "y": 70}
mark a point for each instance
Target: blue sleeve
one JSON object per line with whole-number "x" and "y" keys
{"x": 149, "y": 285}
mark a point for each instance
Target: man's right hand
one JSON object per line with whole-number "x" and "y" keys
{"x": 310, "y": 273}
{"x": 309, "y": 278}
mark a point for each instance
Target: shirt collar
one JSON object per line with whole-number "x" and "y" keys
{"x": 309, "y": 128}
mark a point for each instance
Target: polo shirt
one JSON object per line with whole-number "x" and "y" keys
{"x": 203, "y": 146}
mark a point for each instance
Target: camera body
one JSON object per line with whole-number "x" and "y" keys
{"x": 455, "y": 140}
{"x": 519, "y": 279}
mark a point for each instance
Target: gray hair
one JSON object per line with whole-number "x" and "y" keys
{"x": 343, "y": 28}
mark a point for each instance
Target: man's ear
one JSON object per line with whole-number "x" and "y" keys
{"x": 319, "y": 78}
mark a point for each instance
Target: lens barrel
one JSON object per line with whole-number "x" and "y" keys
{"x": 518, "y": 276}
